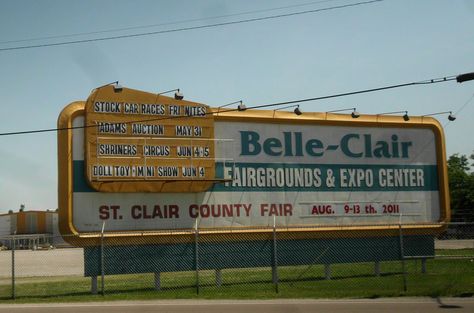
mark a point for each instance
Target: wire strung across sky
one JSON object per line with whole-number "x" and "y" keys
{"x": 422, "y": 82}
{"x": 113, "y": 30}
{"x": 250, "y": 20}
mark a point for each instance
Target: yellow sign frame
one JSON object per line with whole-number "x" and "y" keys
{"x": 73, "y": 236}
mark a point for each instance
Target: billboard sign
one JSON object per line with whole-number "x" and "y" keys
{"x": 314, "y": 172}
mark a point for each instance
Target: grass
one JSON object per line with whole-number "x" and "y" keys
{"x": 455, "y": 252}
{"x": 444, "y": 277}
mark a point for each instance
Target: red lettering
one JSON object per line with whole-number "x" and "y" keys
{"x": 157, "y": 211}
{"x": 204, "y": 210}
{"x": 104, "y": 212}
{"x": 136, "y": 212}
{"x": 173, "y": 211}
{"x": 277, "y": 209}
{"x": 322, "y": 209}
{"x": 146, "y": 215}
{"x": 214, "y": 210}
{"x": 142, "y": 211}
{"x": 273, "y": 210}
{"x": 193, "y": 211}
{"x": 115, "y": 209}
{"x": 247, "y": 210}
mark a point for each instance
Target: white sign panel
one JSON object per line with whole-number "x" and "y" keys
{"x": 287, "y": 173}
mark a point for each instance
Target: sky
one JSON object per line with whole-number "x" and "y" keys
{"x": 279, "y": 59}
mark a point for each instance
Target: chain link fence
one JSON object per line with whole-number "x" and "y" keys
{"x": 276, "y": 263}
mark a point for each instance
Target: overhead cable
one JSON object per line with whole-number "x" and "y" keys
{"x": 113, "y": 30}
{"x": 63, "y": 43}
{"x": 423, "y": 82}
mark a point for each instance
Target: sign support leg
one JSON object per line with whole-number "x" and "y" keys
{"x": 377, "y": 268}
{"x": 423, "y": 266}
{"x": 94, "y": 285}
{"x": 327, "y": 271}
{"x": 218, "y": 278}
{"x": 157, "y": 280}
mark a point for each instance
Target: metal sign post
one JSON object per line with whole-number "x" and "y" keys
{"x": 102, "y": 258}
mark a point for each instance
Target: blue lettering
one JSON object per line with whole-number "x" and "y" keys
{"x": 345, "y": 146}
{"x": 250, "y": 144}
{"x": 270, "y": 144}
{"x": 312, "y": 145}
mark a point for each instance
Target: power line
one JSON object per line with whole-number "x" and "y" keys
{"x": 422, "y": 82}
{"x": 165, "y": 24}
{"x": 63, "y": 43}
{"x": 456, "y": 113}
{"x": 464, "y": 105}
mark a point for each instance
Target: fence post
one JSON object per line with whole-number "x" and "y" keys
{"x": 102, "y": 272}
{"x": 402, "y": 254}
{"x": 13, "y": 265}
{"x": 275, "y": 257}
{"x": 196, "y": 254}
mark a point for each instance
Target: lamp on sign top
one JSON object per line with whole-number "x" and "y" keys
{"x": 226, "y": 105}
{"x": 241, "y": 107}
{"x": 297, "y": 110}
{"x": 451, "y": 116}
{"x": 406, "y": 118}
{"x": 354, "y": 113}
{"x": 117, "y": 87}
{"x": 178, "y": 95}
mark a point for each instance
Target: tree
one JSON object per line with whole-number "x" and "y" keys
{"x": 461, "y": 186}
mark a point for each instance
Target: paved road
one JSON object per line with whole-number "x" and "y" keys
{"x": 394, "y": 305}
